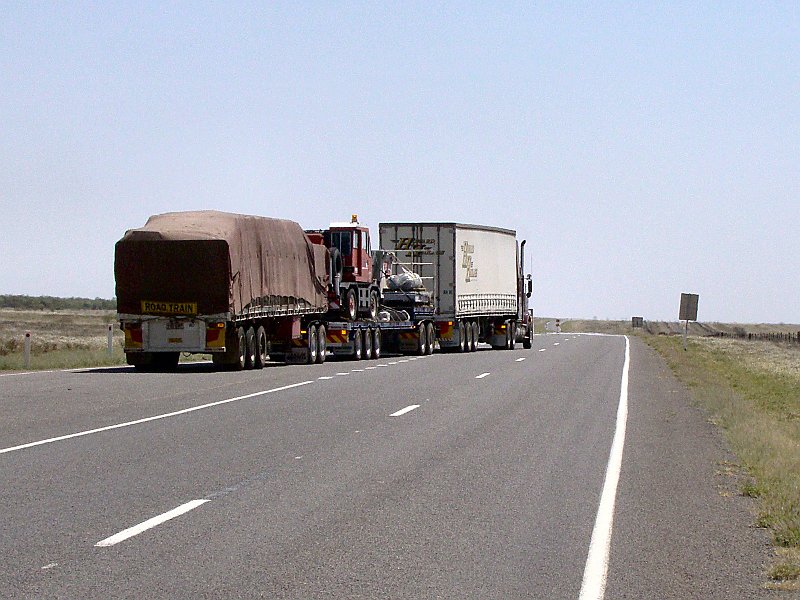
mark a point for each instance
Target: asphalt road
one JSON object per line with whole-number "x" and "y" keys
{"x": 450, "y": 476}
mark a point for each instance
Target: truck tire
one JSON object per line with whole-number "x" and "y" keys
{"x": 373, "y": 304}
{"x": 336, "y": 263}
{"x": 231, "y": 359}
{"x": 422, "y": 340}
{"x": 463, "y": 338}
{"x": 322, "y": 338}
{"x": 312, "y": 345}
{"x": 261, "y": 348}
{"x": 473, "y": 341}
{"x": 367, "y": 344}
{"x": 376, "y": 344}
{"x": 250, "y": 344}
{"x": 351, "y": 304}
{"x": 527, "y": 342}
{"x": 241, "y": 350}
{"x": 358, "y": 345}
{"x": 431, "y": 337}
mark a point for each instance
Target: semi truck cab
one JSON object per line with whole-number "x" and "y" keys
{"x": 357, "y": 289}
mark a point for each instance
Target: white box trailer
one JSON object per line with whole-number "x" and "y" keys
{"x": 475, "y": 276}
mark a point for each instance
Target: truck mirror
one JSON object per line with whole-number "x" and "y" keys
{"x": 528, "y": 286}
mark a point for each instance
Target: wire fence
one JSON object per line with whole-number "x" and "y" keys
{"x": 770, "y": 337}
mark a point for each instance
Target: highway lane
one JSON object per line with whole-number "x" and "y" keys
{"x": 487, "y": 487}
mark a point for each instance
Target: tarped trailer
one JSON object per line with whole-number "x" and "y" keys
{"x": 185, "y": 280}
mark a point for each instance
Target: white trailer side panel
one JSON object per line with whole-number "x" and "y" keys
{"x": 486, "y": 272}
{"x": 470, "y": 270}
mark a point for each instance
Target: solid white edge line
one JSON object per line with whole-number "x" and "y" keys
{"x": 595, "y": 572}
{"x": 26, "y": 373}
{"x": 149, "y": 524}
{"x": 481, "y": 376}
{"x": 403, "y": 411}
{"x": 148, "y": 419}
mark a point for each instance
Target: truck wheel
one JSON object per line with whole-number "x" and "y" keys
{"x": 351, "y": 304}
{"x": 422, "y": 340}
{"x": 376, "y": 344}
{"x": 463, "y": 338}
{"x": 373, "y": 305}
{"x": 526, "y": 342}
{"x": 431, "y": 337}
{"x": 368, "y": 344}
{"x": 322, "y": 339}
{"x": 473, "y": 342}
{"x": 261, "y": 356}
{"x": 313, "y": 345}
{"x": 250, "y": 359}
{"x": 241, "y": 336}
{"x": 358, "y": 345}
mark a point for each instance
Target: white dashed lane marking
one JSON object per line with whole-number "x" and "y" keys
{"x": 405, "y": 410}
{"x": 149, "y": 524}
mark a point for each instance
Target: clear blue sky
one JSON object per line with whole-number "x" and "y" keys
{"x": 642, "y": 149}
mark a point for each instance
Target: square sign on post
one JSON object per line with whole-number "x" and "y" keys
{"x": 637, "y": 322}
{"x": 689, "y": 307}
{"x": 688, "y": 312}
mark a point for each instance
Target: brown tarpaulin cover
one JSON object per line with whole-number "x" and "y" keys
{"x": 224, "y": 262}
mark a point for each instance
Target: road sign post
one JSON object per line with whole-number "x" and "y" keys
{"x": 688, "y": 312}
{"x": 27, "y": 350}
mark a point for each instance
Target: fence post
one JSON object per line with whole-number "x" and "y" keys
{"x": 27, "y": 349}
{"x": 110, "y": 340}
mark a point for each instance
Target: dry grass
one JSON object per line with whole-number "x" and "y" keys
{"x": 59, "y": 339}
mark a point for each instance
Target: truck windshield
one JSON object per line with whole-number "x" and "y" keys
{"x": 342, "y": 240}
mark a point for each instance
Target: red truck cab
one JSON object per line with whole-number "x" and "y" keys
{"x": 357, "y": 289}
{"x": 353, "y": 244}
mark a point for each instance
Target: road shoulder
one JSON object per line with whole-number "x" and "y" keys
{"x": 681, "y": 528}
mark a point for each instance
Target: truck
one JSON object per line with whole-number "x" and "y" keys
{"x": 247, "y": 289}
{"x": 476, "y": 277}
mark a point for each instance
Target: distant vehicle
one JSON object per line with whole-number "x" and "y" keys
{"x": 475, "y": 274}
{"x": 248, "y": 289}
